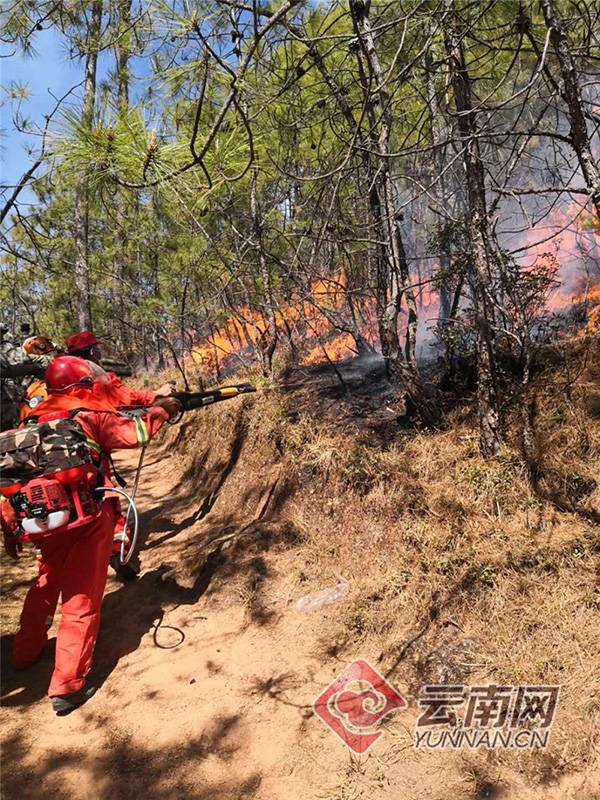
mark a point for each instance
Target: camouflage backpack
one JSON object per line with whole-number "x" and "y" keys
{"x": 41, "y": 449}
{"x": 49, "y": 477}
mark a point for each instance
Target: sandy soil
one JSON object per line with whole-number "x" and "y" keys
{"x": 205, "y": 695}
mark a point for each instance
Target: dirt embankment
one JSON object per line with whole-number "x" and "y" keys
{"x": 451, "y": 570}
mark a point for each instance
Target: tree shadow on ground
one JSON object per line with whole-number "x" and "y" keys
{"x": 134, "y": 609}
{"x": 213, "y": 480}
{"x": 27, "y": 686}
{"x": 277, "y": 687}
{"x": 129, "y": 613}
{"x": 121, "y": 769}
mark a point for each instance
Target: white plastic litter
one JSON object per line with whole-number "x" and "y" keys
{"x": 316, "y": 600}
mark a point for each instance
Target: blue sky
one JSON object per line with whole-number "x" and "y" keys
{"x": 48, "y": 74}
{"x": 48, "y": 70}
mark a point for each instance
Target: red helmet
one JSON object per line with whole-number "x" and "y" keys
{"x": 82, "y": 341}
{"x": 67, "y": 371}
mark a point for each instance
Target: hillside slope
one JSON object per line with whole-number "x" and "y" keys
{"x": 450, "y": 569}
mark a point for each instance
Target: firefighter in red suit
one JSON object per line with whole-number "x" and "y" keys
{"x": 73, "y": 564}
{"x": 85, "y": 344}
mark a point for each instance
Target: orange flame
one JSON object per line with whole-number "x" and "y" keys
{"x": 571, "y": 237}
{"x": 308, "y": 318}
{"x": 566, "y": 238}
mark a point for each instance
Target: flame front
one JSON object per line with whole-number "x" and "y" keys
{"x": 323, "y": 326}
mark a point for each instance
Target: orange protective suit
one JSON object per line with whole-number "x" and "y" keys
{"x": 107, "y": 394}
{"x": 74, "y": 563}
{"x": 120, "y": 395}
{"x": 112, "y": 393}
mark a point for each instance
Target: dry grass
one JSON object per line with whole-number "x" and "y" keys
{"x": 458, "y": 569}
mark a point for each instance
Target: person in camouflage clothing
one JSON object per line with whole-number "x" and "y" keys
{"x": 21, "y": 359}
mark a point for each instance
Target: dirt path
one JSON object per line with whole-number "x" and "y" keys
{"x": 202, "y": 694}
{"x": 194, "y": 701}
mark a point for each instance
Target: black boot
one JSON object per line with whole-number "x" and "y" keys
{"x": 124, "y": 572}
{"x": 65, "y": 703}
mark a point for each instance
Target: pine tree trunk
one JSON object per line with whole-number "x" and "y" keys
{"x": 438, "y": 190}
{"x": 393, "y": 277}
{"x": 579, "y": 135}
{"x": 268, "y": 341}
{"x": 381, "y": 132}
{"x": 123, "y": 53}
{"x": 81, "y": 211}
{"x": 478, "y": 232}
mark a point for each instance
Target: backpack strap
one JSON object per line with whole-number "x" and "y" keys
{"x": 34, "y": 419}
{"x": 117, "y": 475}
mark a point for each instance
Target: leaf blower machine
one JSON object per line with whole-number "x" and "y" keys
{"x": 47, "y": 473}
{"x": 52, "y": 475}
